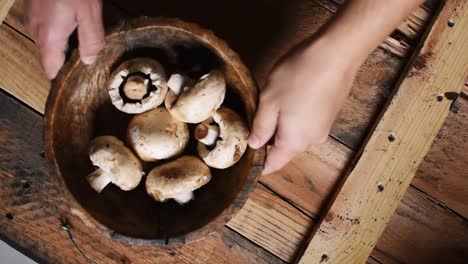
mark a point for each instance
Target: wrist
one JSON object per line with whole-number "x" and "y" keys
{"x": 337, "y": 51}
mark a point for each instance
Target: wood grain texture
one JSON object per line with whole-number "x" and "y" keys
{"x": 356, "y": 217}
{"x": 5, "y": 6}
{"x": 276, "y": 226}
{"x": 308, "y": 180}
{"x": 36, "y": 210}
{"x": 334, "y": 159}
{"x": 78, "y": 109}
{"x": 383, "y": 67}
{"x": 40, "y": 99}
{"x": 15, "y": 17}
{"x": 20, "y": 72}
{"x": 414, "y": 241}
{"x": 442, "y": 174}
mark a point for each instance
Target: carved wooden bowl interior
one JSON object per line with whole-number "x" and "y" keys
{"x": 79, "y": 109}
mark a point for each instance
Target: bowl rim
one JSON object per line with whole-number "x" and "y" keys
{"x": 227, "y": 54}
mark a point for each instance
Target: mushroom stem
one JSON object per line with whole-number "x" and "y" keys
{"x": 184, "y": 198}
{"x": 176, "y": 83}
{"x": 136, "y": 87}
{"x": 207, "y": 134}
{"x": 99, "y": 179}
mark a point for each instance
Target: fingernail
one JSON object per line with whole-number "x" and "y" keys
{"x": 89, "y": 60}
{"x": 254, "y": 142}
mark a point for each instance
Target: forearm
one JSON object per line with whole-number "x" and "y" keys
{"x": 363, "y": 24}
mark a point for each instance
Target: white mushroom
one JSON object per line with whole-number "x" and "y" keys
{"x": 137, "y": 86}
{"x": 116, "y": 164}
{"x": 177, "y": 179}
{"x": 222, "y": 139}
{"x": 156, "y": 135}
{"x": 195, "y": 103}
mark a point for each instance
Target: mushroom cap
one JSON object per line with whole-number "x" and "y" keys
{"x": 177, "y": 178}
{"x": 197, "y": 103}
{"x": 146, "y": 68}
{"x": 115, "y": 161}
{"x": 156, "y": 135}
{"x": 232, "y": 142}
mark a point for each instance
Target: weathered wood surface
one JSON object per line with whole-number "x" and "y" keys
{"x": 5, "y": 6}
{"x": 384, "y": 66}
{"x": 371, "y": 88}
{"x": 36, "y": 209}
{"x": 361, "y": 208}
{"x": 442, "y": 174}
{"x": 19, "y": 73}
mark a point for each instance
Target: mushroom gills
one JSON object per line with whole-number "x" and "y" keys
{"x": 136, "y": 87}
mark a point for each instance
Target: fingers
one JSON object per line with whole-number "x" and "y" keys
{"x": 264, "y": 124}
{"x": 53, "y": 57}
{"x": 277, "y": 158}
{"x": 50, "y": 23}
{"x": 90, "y": 30}
{"x": 293, "y": 136}
{"x": 288, "y": 142}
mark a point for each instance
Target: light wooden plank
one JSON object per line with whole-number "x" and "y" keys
{"x": 5, "y": 6}
{"x": 361, "y": 210}
{"x": 272, "y": 223}
{"x": 20, "y": 71}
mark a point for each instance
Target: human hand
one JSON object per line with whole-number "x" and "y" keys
{"x": 300, "y": 101}
{"x": 51, "y": 22}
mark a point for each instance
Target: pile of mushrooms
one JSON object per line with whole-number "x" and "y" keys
{"x": 159, "y": 133}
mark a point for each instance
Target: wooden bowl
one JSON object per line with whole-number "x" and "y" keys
{"x": 79, "y": 109}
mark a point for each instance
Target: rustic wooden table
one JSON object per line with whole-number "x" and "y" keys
{"x": 429, "y": 226}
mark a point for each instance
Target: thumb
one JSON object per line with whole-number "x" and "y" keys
{"x": 264, "y": 124}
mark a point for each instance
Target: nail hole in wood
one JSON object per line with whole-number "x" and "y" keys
{"x": 9, "y": 216}
{"x": 391, "y": 138}
{"x": 440, "y": 98}
{"x": 324, "y": 258}
{"x": 26, "y": 185}
{"x": 42, "y": 154}
{"x": 380, "y": 187}
{"x": 451, "y": 23}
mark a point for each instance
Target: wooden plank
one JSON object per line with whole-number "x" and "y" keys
{"x": 442, "y": 174}
{"x": 356, "y": 217}
{"x": 5, "y": 6}
{"x": 17, "y": 86}
{"x": 379, "y": 63}
{"x": 36, "y": 209}
{"x": 15, "y": 17}
{"x": 272, "y": 223}
{"x": 20, "y": 72}
{"x": 333, "y": 160}
{"x": 409, "y": 236}
{"x": 308, "y": 180}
